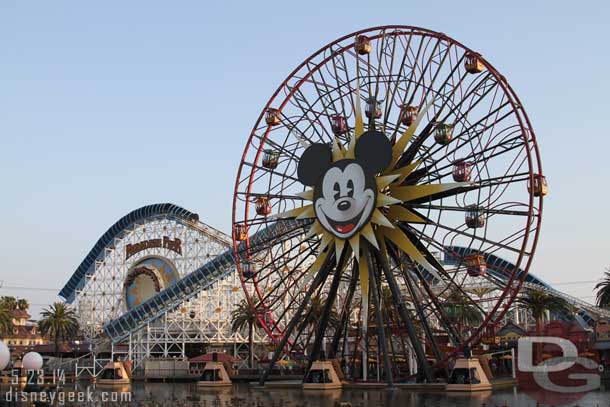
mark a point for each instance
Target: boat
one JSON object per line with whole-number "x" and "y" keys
{"x": 115, "y": 373}
{"x": 468, "y": 376}
{"x": 323, "y": 375}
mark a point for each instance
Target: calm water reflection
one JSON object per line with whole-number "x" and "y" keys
{"x": 242, "y": 395}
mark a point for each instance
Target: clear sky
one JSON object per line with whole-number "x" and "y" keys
{"x": 108, "y": 106}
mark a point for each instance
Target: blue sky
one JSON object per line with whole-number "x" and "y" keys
{"x": 108, "y": 106}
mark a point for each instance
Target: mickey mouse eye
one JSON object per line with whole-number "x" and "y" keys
{"x": 350, "y": 188}
{"x": 337, "y": 189}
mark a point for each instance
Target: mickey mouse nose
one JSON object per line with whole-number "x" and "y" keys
{"x": 344, "y": 205}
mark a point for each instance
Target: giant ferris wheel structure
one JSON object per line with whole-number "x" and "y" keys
{"x": 380, "y": 157}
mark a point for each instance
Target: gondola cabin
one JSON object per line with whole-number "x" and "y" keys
{"x": 247, "y": 269}
{"x": 338, "y": 124}
{"x": 461, "y": 171}
{"x": 214, "y": 375}
{"x": 373, "y": 108}
{"x": 115, "y": 373}
{"x": 263, "y": 207}
{"x": 273, "y": 117}
{"x": 475, "y": 218}
{"x": 467, "y": 376}
{"x": 241, "y": 233}
{"x": 362, "y": 45}
{"x": 539, "y": 187}
{"x": 270, "y": 158}
{"x": 408, "y": 114}
{"x": 476, "y": 266}
{"x": 473, "y": 63}
{"x": 322, "y": 376}
{"x": 443, "y": 133}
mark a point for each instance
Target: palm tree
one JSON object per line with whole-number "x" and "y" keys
{"x": 6, "y": 320}
{"x": 58, "y": 323}
{"x": 603, "y": 290}
{"x": 23, "y": 304}
{"x": 537, "y": 302}
{"x": 311, "y": 317}
{"x": 244, "y": 315}
{"x": 461, "y": 312}
{"x": 9, "y": 302}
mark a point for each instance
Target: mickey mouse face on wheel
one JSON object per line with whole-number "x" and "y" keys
{"x": 345, "y": 191}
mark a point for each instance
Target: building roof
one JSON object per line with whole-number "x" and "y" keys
{"x": 511, "y": 327}
{"x": 19, "y": 314}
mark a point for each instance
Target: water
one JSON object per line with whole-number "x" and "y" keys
{"x": 242, "y": 395}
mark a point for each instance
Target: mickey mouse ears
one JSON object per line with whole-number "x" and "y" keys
{"x": 373, "y": 152}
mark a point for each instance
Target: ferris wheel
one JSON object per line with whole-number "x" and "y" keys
{"x": 378, "y": 156}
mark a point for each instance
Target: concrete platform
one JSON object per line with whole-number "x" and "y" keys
{"x": 430, "y": 387}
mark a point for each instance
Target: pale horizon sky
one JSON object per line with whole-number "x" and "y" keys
{"x": 106, "y": 107}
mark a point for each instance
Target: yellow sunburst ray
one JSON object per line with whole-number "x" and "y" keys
{"x": 359, "y": 130}
{"x": 382, "y": 246}
{"x": 403, "y": 214}
{"x": 384, "y": 181}
{"x": 380, "y": 219}
{"x": 339, "y": 245}
{"x": 405, "y": 171}
{"x": 307, "y": 194}
{"x": 354, "y": 243}
{"x": 296, "y": 212}
{"x": 359, "y": 126}
{"x": 386, "y": 200}
{"x": 307, "y": 213}
{"x": 315, "y": 267}
{"x": 327, "y": 238}
{"x": 404, "y": 139}
{"x": 401, "y": 240}
{"x": 412, "y": 192}
{"x": 337, "y": 151}
{"x": 367, "y": 232}
{"x": 315, "y": 230}
{"x": 364, "y": 289}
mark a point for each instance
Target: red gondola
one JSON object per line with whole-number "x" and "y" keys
{"x": 338, "y": 124}
{"x": 473, "y": 63}
{"x": 476, "y": 265}
{"x": 270, "y": 158}
{"x": 362, "y": 45}
{"x": 475, "y": 218}
{"x": 273, "y": 117}
{"x": 263, "y": 207}
{"x": 540, "y": 186}
{"x": 461, "y": 171}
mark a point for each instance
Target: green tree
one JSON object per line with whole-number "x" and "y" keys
{"x": 537, "y": 302}
{"x": 58, "y": 323}
{"x": 460, "y": 311}
{"x": 312, "y": 315}
{"x": 8, "y": 302}
{"x": 6, "y": 320}
{"x": 23, "y": 304}
{"x": 245, "y": 315}
{"x": 603, "y": 290}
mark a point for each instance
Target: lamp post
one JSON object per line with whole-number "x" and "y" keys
{"x": 5, "y": 356}
{"x": 32, "y": 362}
